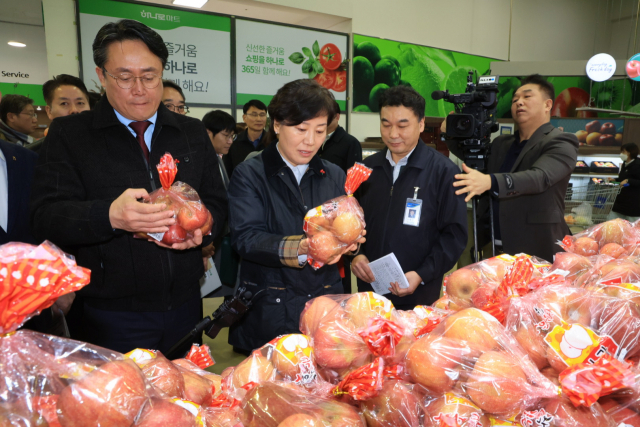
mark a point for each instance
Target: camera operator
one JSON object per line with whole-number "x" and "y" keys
{"x": 527, "y": 177}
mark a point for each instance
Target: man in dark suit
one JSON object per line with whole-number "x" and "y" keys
{"x": 16, "y": 174}
{"x": 527, "y": 177}
{"x": 250, "y": 140}
{"x": 340, "y": 148}
{"x": 91, "y": 175}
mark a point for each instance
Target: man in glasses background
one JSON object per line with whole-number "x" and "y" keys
{"x": 173, "y": 97}
{"x": 92, "y": 175}
{"x": 250, "y": 140}
{"x": 18, "y": 119}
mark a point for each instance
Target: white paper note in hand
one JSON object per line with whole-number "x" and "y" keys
{"x": 386, "y": 270}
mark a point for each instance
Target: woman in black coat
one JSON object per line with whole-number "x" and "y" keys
{"x": 627, "y": 204}
{"x": 269, "y": 196}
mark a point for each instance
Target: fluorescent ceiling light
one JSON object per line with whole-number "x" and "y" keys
{"x": 191, "y": 3}
{"x": 16, "y": 44}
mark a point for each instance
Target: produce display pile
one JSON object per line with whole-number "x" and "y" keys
{"x": 514, "y": 341}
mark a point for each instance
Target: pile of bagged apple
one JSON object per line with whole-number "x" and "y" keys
{"x": 514, "y": 341}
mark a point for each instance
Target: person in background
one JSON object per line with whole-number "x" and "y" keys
{"x": 627, "y": 204}
{"x": 528, "y": 174}
{"x": 252, "y": 139}
{"x": 340, "y": 148}
{"x": 94, "y": 97}
{"x": 91, "y": 177}
{"x": 221, "y": 129}
{"x": 269, "y": 196}
{"x": 173, "y": 97}
{"x": 18, "y": 119}
{"x": 410, "y": 175}
{"x": 64, "y": 95}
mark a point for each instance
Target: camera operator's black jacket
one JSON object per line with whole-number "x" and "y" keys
{"x": 87, "y": 161}
{"x": 266, "y": 215}
{"x": 432, "y": 248}
{"x": 531, "y": 196}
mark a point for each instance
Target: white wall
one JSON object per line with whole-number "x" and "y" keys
{"x": 30, "y": 60}
{"x": 61, "y": 35}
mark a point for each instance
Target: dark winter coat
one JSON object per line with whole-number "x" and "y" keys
{"x": 342, "y": 149}
{"x": 432, "y": 248}
{"x": 266, "y": 215}
{"x": 628, "y": 201}
{"x": 89, "y": 160}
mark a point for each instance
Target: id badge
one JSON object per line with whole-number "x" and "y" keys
{"x": 412, "y": 212}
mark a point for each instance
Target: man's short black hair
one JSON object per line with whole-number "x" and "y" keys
{"x": 545, "y": 87}
{"x": 403, "y": 96}
{"x": 217, "y": 121}
{"x": 13, "y": 104}
{"x": 254, "y": 103}
{"x": 62, "y": 80}
{"x": 301, "y": 100}
{"x": 173, "y": 85}
{"x": 127, "y": 29}
{"x": 632, "y": 149}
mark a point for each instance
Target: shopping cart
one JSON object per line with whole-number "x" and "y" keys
{"x": 589, "y": 204}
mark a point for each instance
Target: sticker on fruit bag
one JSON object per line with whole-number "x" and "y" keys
{"x": 452, "y": 399}
{"x": 496, "y": 422}
{"x": 412, "y": 212}
{"x": 537, "y": 418}
{"x": 576, "y": 344}
{"x": 192, "y": 407}
{"x": 380, "y": 304}
{"x": 141, "y": 356}
{"x": 633, "y": 287}
{"x": 296, "y": 349}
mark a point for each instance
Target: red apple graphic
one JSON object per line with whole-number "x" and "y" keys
{"x": 633, "y": 69}
{"x": 568, "y": 100}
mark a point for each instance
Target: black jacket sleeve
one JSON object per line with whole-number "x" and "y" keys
{"x": 451, "y": 221}
{"x": 60, "y": 211}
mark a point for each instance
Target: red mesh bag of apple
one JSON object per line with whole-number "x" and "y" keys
{"x": 278, "y": 404}
{"x": 336, "y": 224}
{"x": 189, "y": 211}
{"x": 617, "y": 238}
{"x": 491, "y": 284}
{"x": 349, "y": 330}
{"x": 471, "y": 354}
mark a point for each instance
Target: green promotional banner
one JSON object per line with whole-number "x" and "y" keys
{"x": 269, "y": 56}
{"x": 573, "y": 92}
{"x": 30, "y": 91}
{"x": 199, "y": 46}
{"x": 379, "y": 64}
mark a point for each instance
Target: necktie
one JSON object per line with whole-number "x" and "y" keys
{"x": 140, "y": 128}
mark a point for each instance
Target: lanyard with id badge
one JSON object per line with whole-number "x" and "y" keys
{"x": 412, "y": 210}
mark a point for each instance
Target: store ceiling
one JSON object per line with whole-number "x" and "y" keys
{"x": 21, "y": 12}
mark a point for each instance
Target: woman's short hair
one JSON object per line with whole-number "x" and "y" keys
{"x": 632, "y": 149}
{"x": 301, "y": 100}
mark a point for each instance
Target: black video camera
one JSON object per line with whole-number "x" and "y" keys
{"x": 474, "y": 119}
{"x": 226, "y": 315}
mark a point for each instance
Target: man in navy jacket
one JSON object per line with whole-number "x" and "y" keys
{"x": 16, "y": 165}
{"x": 408, "y": 176}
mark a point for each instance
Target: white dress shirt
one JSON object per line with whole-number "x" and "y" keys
{"x": 397, "y": 166}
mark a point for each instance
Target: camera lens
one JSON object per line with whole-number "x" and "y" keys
{"x": 463, "y": 125}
